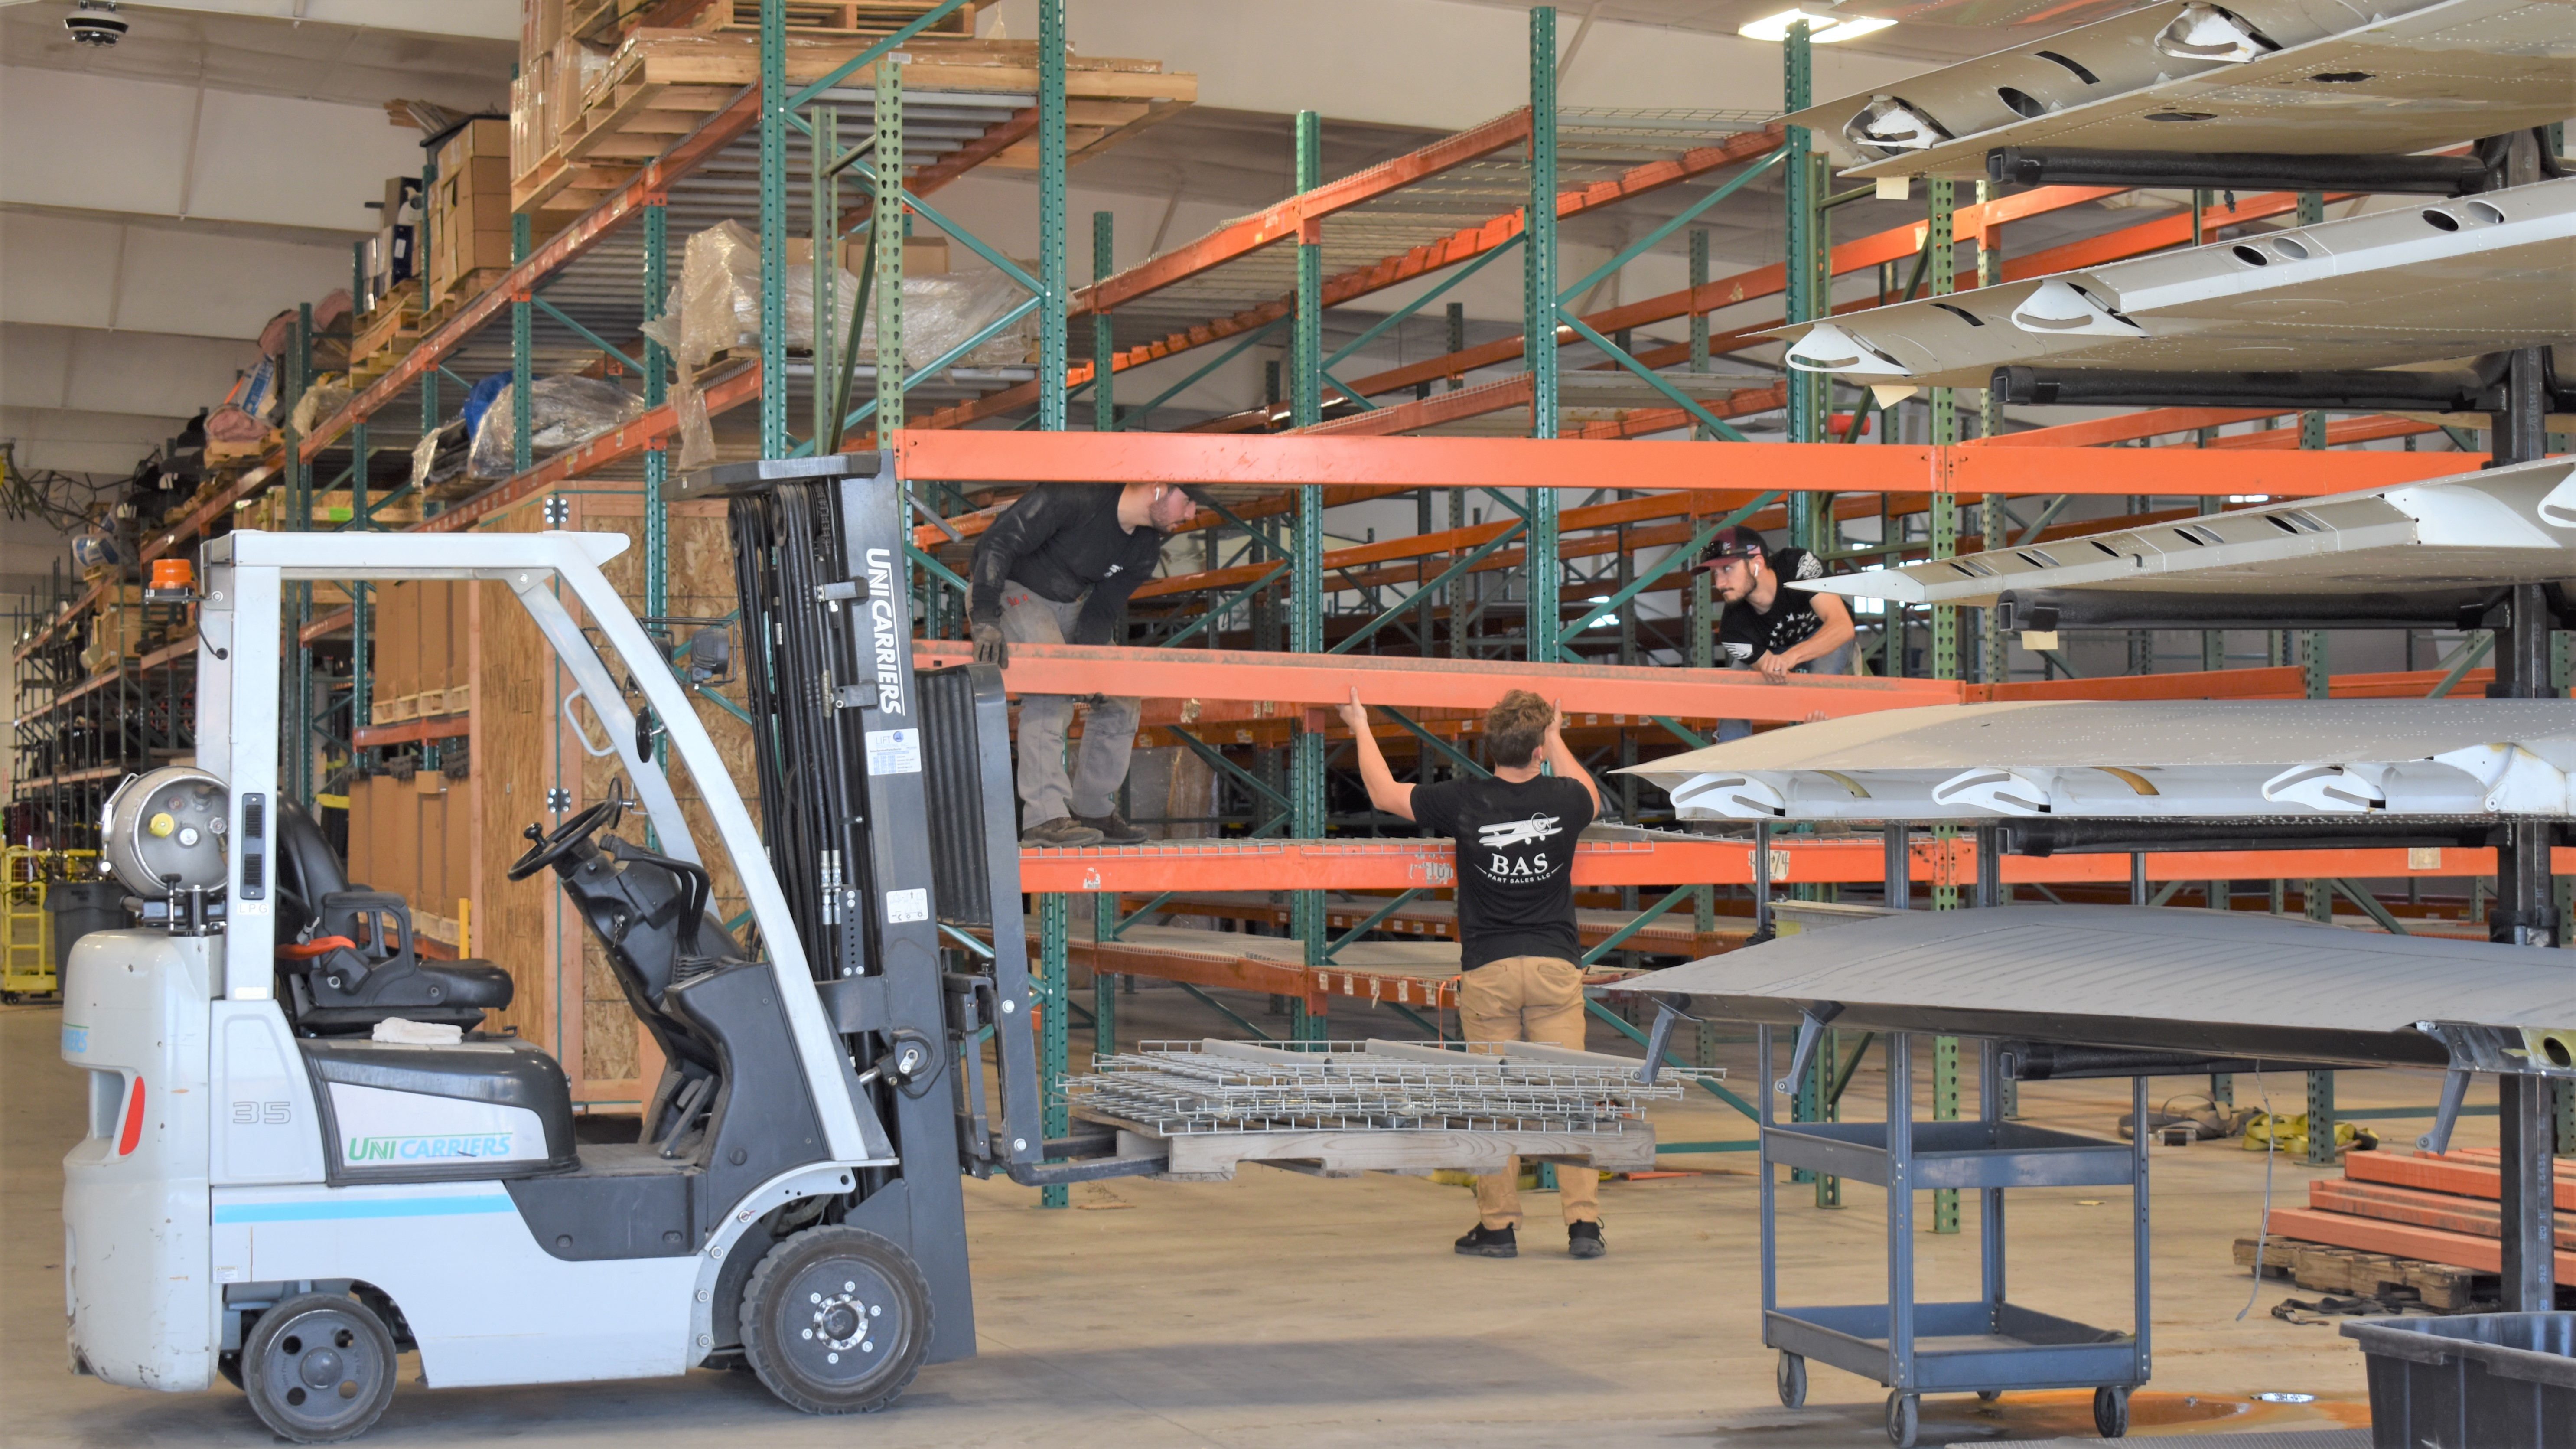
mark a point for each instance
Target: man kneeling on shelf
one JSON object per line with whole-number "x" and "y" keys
{"x": 1517, "y": 944}
{"x": 1775, "y": 630}
{"x": 1056, "y": 568}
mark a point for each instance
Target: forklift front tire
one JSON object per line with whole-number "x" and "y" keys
{"x": 318, "y": 1368}
{"x": 836, "y": 1320}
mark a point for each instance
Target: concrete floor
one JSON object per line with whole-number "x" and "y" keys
{"x": 1280, "y": 1309}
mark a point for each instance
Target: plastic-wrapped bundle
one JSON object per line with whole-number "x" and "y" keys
{"x": 941, "y": 312}
{"x": 438, "y": 459}
{"x": 562, "y": 411}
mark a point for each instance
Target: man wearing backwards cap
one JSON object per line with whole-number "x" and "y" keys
{"x": 1769, "y": 626}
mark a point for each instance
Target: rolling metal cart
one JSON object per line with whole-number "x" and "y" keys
{"x": 1988, "y": 1346}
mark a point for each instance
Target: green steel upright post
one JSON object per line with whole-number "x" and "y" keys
{"x": 773, "y": 229}
{"x": 2312, "y": 425}
{"x": 1104, "y": 337}
{"x": 1801, "y": 223}
{"x": 1990, "y": 423}
{"x": 887, "y": 227}
{"x": 1051, "y": 164}
{"x": 1942, "y": 255}
{"x": 1544, "y": 571}
{"x": 657, "y": 463}
{"x": 1055, "y": 1025}
{"x": 522, "y": 355}
{"x": 1698, "y": 318}
{"x": 1306, "y": 562}
{"x": 361, "y": 712}
{"x": 823, "y": 195}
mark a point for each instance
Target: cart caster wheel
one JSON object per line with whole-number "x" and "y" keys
{"x": 318, "y": 1368}
{"x": 1792, "y": 1375}
{"x": 1988, "y": 1396}
{"x": 836, "y": 1320}
{"x": 1901, "y": 1420}
{"x": 2111, "y": 1412}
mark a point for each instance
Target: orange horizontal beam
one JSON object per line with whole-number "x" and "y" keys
{"x": 1321, "y": 681}
{"x": 1389, "y": 864}
{"x": 1290, "y": 218}
{"x": 988, "y": 455}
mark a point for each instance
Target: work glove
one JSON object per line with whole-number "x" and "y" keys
{"x": 989, "y": 646}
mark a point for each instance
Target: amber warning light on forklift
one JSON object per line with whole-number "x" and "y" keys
{"x": 174, "y": 581}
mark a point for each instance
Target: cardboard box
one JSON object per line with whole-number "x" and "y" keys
{"x": 397, "y": 665}
{"x": 460, "y": 644}
{"x": 479, "y": 140}
{"x": 923, "y": 256}
{"x": 528, "y": 115}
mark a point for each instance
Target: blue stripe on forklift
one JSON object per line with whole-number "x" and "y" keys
{"x": 387, "y": 1207}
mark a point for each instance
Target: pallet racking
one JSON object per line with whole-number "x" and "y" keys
{"x": 772, "y": 152}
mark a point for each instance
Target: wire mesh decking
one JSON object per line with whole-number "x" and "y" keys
{"x": 1182, "y": 1088}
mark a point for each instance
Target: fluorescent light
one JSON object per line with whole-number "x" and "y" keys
{"x": 1598, "y": 599}
{"x": 1821, "y": 29}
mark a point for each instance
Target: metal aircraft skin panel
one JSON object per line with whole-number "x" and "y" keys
{"x": 2135, "y": 976}
{"x": 2144, "y": 759}
{"x": 2512, "y": 525}
{"x": 2428, "y": 282}
{"x": 2415, "y": 77}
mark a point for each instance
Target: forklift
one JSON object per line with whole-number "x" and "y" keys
{"x": 304, "y": 1154}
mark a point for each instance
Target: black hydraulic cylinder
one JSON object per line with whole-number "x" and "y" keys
{"x": 2456, "y": 390}
{"x": 2046, "y": 609}
{"x": 2237, "y": 171}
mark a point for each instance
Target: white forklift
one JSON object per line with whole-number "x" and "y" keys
{"x": 291, "y": 1176}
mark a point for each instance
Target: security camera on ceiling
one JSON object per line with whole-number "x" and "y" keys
{"x": 95, "y": 22}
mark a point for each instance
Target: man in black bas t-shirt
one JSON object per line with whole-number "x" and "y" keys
{"x": 1769, "y": 626}
{"x": 1056, "y": 568}
{"x": 1517, "y": 944}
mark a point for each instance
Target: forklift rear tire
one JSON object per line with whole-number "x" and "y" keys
{"x": 836, "y": 1320}
{"x": 318, "y": 1368}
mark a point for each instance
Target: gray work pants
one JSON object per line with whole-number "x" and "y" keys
{"x": 1108, "y": 735}
{"x": 1838, "y": 662}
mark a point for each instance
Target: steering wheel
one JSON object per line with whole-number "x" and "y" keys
{"x": 551, "y": 848}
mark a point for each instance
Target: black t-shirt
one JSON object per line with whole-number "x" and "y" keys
{"x": 1515, "y": 863}
{"x": 1058, "y": 540}
{"x": 1746, "y": 633}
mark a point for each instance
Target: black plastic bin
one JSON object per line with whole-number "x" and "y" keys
{"x": 2477, "y": 1381}
{"x": 80, "y": 907}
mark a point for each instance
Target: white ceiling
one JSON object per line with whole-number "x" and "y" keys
{"x": 348, "y": 64}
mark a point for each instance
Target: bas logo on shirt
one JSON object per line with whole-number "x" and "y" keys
{"x": 1503, "y": 835}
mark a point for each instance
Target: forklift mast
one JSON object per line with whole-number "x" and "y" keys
{"x": 886, "y": 805}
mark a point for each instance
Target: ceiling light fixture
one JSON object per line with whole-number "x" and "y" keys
{"x": 95, "y": 22}
{"x": 1821, "y": 29}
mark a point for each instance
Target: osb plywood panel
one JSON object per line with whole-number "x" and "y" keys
{"x": 514, "y": 746}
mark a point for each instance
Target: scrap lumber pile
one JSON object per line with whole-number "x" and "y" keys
{"x": 2427, "y": 1223}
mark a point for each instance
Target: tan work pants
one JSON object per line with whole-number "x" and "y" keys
{"x": 1532, "y": 999}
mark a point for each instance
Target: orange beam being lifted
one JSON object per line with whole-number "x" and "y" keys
{"x": 1321, "y": 681}
{"x": 1367, "y": 864}
{"x": 985, "y": 455}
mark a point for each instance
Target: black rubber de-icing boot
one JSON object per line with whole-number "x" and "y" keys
{"x": 1583, "y": 1240}
{"x": 1485, "y": 1242}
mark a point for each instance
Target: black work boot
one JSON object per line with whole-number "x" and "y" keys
{"x": 1485, "y": 1242}
{"x": 1059, "y": 833}
{"x": 1113, "y": 828}
{"x": 1583, "y": 1240}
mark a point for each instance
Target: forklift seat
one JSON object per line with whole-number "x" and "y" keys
{"x": 345, "y": 956}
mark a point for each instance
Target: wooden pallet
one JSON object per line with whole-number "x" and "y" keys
{"x": 392, "y": 329}
{"x": 1214, "y": 1156}
{"x": 464, "y": 289}
{"x": 2321, "y": 1268}
{"x": 837, "y": 18}
{"x": 663, "y": 84}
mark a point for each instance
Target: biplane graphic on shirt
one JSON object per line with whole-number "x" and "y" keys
{"x": 1517, "y": 832}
